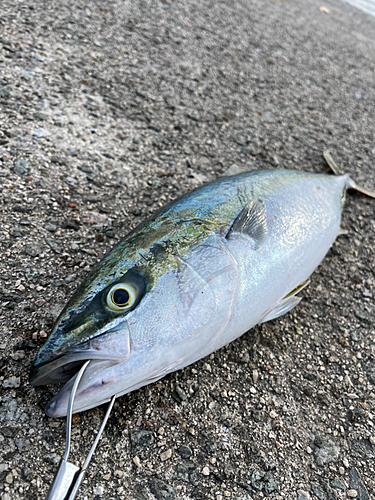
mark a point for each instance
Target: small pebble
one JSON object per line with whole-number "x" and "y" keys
{"x": 9, "y": 478}
{"x": 137, "y": 461}
{"x": 21, "y": 167}
{"x": 165, "y": 455}
{"x": 12, "y": 383}
{"x": 70, "y": 181}
{"x": 341, "y": 470}
{"x": 337, "y": 484}
{"x": 41, "y": 115}
{"x": 352, "y": 494}
{"x": 184, "y": 451}
{"x": 99, "y": 490}
{"x": 245, "y": 358}
{"x": 180, "y": 393}
{"x": 50, "y": 227}
{"x": 53, "y": 244}
{"x": 41, "y": 132}
{"x": 70, "y": 278}
{"x": 303, "y": 495}
{"x": 206, "y": 471}
{"x": 345, "y": 462}
{"x": 32, "y": 249}
{"x": 18, "y": 355}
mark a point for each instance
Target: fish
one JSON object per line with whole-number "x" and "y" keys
{"x": 193, "y": 277}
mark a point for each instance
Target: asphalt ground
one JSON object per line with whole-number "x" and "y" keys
{"x": 109, "y": 110}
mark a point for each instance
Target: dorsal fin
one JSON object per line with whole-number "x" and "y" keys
{"x": 251, "y": 222}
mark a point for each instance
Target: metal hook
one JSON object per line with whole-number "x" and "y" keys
{"x": 69, "y": 477}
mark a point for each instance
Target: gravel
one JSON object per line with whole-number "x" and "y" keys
{"x": 109, "y": 110}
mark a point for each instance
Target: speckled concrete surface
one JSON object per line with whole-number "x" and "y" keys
{"x": 109, "y": 110}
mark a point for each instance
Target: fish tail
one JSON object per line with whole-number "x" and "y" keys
{"x": 350, "y": 184}
{"x": 353, "y": 185}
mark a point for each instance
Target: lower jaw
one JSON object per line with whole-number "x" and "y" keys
{"x": 54, "y": 410}
{"x": 85, "y": 397}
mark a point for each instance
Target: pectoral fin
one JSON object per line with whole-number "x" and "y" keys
{"x": 251, "y": 222}
{"x": 286, "y": 304}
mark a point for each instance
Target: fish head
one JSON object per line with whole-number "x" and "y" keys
{"x": 93, "y": 326}
{"x": 136, "y": 317}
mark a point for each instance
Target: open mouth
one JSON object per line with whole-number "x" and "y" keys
{"x": 61, "y": 369}
{"x": 64, "y": 369}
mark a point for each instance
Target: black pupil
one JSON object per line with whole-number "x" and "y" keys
{"x": 121, "y": 297}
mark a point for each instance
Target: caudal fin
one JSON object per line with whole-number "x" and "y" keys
{"x": 351, "y": 184}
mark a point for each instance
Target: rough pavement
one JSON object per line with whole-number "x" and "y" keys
{"x": 111, "y": 109}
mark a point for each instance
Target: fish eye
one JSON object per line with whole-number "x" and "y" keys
{"x": 121, "y": 297}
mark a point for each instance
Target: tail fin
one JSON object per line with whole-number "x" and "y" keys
{"x": 351, "y": 184}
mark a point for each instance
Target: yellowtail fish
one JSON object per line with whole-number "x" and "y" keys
{"x": 191, "y": 278}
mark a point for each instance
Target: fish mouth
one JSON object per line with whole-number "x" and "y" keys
{"x": 110, "y": 347}
{"x": 64, "y": 369}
